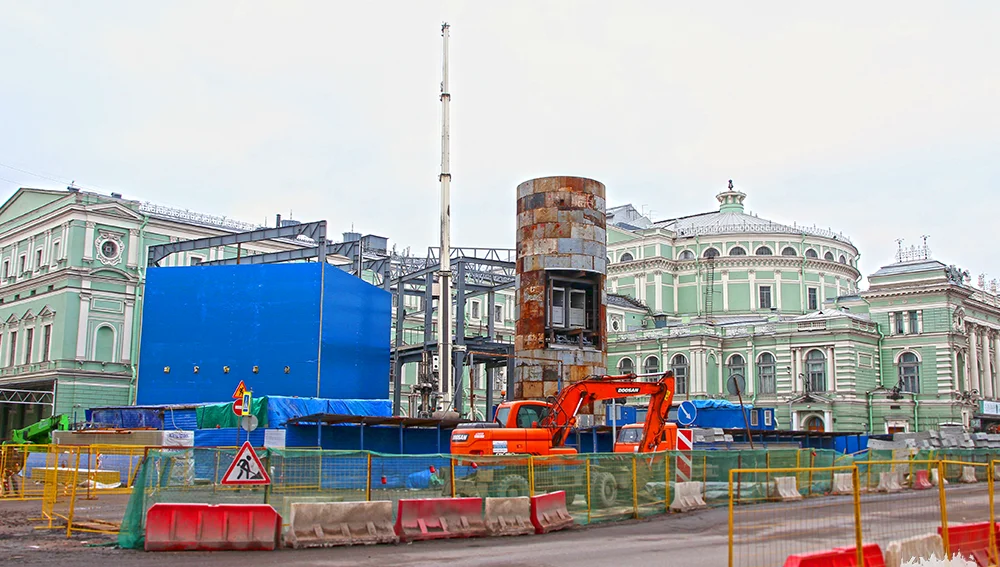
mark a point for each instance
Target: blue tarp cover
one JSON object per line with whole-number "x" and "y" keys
{"x": 280, "y": 409}
{"x": 718, "y": 404}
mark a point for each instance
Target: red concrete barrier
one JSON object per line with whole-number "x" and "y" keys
{"x": 439, "y": 518}
{"x": 203, "y": 527}
{"x": 871, "y": 554}
{"x": 921, "y": 481}
{"x": 830, "y": 558}
{"x": 548, "y": 512}
{"x": 970, "y": 541}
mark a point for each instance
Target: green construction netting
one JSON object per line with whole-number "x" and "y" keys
{"x": 221, "y": 415}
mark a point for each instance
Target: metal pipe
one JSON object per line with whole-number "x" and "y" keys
{"x": 444, "y": 273}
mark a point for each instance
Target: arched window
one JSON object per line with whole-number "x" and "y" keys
{"x": 686, "y": 255}
{"x": 679, "y": 364}
{"x": 816, "y": 371}
{"x": 843, "y": 259}
{"x": 765, "y": 251}
{"x": 789, "y": 251}
{"x": 711, "y": 253}
{"x": 737, "y": 367}
{"x": 651, "y": 366}
{"x": 766, "y": 374}
{"x": 909, "y": 372}
{"x": 626, "y": 257}
{"x": 737, "y": 251}
{"x": 814, "y": 423}
{"x": 811, "y": 253}
{"x": 104, "y": 344}
{"x": 828, "y": 256}
{"x": 626, "y": 366}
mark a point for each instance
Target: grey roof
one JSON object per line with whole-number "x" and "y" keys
{"x": 731, "y": 222}
{"x": 909, "y": 268}
{"x": 832, "y": 314}
{"x": 625, "y": 301}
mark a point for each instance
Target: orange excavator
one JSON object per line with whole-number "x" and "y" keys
{"x": 529, "y": 428}
{"x": 541, "y": 427}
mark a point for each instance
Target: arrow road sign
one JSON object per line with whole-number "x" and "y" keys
{"x": 686, "y": 413}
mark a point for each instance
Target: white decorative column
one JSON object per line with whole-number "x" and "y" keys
{"x": 796, "y": 369}
{"x": 973, "y": 360}
{"x": 81, "y": 333}
{"x": 996, "y": 361}
{"x": 658, "y": 282}
{"x": 822, "y": 291}
{"x": 954, "y": 370}
{"x": 88, "y": 242}
{"x": 987, "y": 373}
{"x": 832, "y": 369}
{"x": 827, "y": 421}
{"x": 614, "y": 285}
{"x": 754, "y": 295}
{"x": 640, "y": 286}
{"x": 64, "y": 247}
{"x": 126, "y": 350}
{"x": 725, "y": 290}
{"x": 777, "y": 289}
{"x": 133, "y": 247}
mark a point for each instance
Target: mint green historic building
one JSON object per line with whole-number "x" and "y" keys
{"x": 72, "y": 267}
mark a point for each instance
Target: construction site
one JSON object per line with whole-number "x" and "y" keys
{"x": 269, "y": 412}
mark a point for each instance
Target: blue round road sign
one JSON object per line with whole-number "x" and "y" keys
{"x": 686, "y": 413}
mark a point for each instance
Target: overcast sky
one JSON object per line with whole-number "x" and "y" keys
{"x": 878, "y": 119}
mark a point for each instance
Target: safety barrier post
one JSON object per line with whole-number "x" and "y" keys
{"x": 739, "y": 477}
{"x": 704, "y": 475}
{"x": 666, "y": 482}
{"x": 730, "y": 518}
{"x": 944, "y": 509}
{"x": 635, "y": 488}
{"x": 858, "y": 543}
{"x": 368, "y": 484}
{"x": 993, "y": 521}
{"x": 72, "y": 495}
{"x": 767, "y": 466}
{"x": 812, "y": 463}
{"x": 531, "y": 475}
{"x": 90, "y": 458}
{"x": 589, "y": 495}
{"x": 451, "y": 463}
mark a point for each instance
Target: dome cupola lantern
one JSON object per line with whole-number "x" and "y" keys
{"x": 731, "y": 200}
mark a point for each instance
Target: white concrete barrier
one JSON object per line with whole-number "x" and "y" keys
{"x": 326, "y": 524}
{"x": 687, "y": 497}
{"x": 888, "y": 482}
{"x": 843, "y": 483}
{"x": 934, "y": 478}
{"x": 921, "y": 547}
{"x": 968, "y": 475}
{"x": 787, "y": 488}
{"x": 508, "y": 516}
{"x": 996, "y": 472}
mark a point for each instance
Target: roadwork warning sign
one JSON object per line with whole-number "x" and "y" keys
{"x": 246, "y": 468}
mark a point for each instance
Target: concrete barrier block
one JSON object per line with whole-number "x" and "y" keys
{"x": 205, "y": 527}
{"x": 920, "y": 547}
{"x": 968, "y": 475}
{"x": 328, "y": 524}
{"x": 843, "y": 483}
{"x": 687, "y": 497}
{"x": 439, "y": 518}
{"x": 921, "y": 480}
{"x": 548, "y": 512}
{"x": 889, "y": 482}
{"x": 787, "y": 488}
{"x": 934, "y": 478}
{"x": 508, "y": 516}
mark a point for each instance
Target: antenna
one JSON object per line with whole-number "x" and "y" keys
{"x": 444, "y": 272}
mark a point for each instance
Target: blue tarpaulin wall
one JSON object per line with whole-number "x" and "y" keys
{"x": 281, "y": 409}
{"x": 378, "y": 438}
{"x": 264, "y": 316}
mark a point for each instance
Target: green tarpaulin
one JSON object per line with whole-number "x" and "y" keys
{"x": 221, "y": 415}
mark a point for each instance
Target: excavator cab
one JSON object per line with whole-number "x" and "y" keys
{"x": 524, "y": 414}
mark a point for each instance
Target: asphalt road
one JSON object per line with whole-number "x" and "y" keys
{"x": 765, "y": 534}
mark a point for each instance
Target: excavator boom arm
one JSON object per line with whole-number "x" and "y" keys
{"x": 562, "y": 417}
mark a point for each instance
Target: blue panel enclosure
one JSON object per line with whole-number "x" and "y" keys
{"x": 264, "y": 316}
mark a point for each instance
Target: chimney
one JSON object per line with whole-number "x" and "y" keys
{"x": 277, "y": 221}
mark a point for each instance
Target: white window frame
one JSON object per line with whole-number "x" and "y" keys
{"x": 770, "y": 296}
{"x": 46, "y": 348}
{"x": 56, "y": 244}
{"x": 22, "y": 264}
{"x": 475, "y": 312}
{"x": 191, "y": 258}
{"x": 809, "y": 306}
{"x": 498, "y": 313}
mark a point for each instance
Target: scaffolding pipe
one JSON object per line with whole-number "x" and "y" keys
{"x": 444, "y": 272}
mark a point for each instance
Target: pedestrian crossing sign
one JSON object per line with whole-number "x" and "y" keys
{"x": 246, "y": 468}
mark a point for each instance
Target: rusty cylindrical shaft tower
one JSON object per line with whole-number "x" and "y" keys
{"x": 561, "y": 335}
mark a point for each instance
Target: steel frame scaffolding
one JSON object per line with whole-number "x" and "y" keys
{"x": 27, "y": 397}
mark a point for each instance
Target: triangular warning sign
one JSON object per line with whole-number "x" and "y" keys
{"x": 246, "y": 468}
{"x": 240, "y": 390}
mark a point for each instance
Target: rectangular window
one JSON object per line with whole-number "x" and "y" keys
{"x": 766, "y": 377}
{"x": 498, "y": 313}
{"x": 55, "y": 251}
{"x": 557, "y": 316}
{"x": 195, "y": 260}
{"x": 813, "y": 299}
{"x": 680, "y": 378}
{"x": 6, "y": 268}
{"x": 577, "y": 309}
{"x": 20, "y": 264}
{"x": 46, "y": 342}
{"x": 914, "y": 322}
{"x": 38, "y": 258}
{"x": 475, "y": 309}
{"x": 900, "y": 323}
{"x": 12, "y": 359}
{"x": 768, "y": 418}
{"x": 754, "y": 420}
{"x": 29, "y": 338}
{"x": 765, "y": 297}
